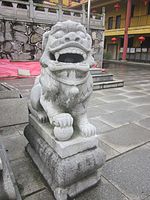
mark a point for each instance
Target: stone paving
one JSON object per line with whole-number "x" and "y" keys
{"x": 122, "y": 118}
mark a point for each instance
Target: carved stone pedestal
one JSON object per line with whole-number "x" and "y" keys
{"x": 69, "y": 167}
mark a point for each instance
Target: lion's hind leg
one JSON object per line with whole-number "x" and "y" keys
{"x": 40, "y": 115}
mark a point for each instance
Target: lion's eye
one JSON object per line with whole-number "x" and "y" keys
{"x": 59, "y": 34}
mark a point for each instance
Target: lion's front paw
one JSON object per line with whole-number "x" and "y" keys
{"x": 87, "y": 130}
{"x": 62, "y": 120}
{"x": 42, "y": 117}
{"x": 63, "y": 129}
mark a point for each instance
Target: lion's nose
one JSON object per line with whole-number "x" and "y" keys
{"x": 72, "y": 37}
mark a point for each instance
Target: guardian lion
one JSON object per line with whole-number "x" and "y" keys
{"x": 61, "y": 93}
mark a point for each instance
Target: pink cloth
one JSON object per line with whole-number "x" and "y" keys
{"x": 10, "y": 69}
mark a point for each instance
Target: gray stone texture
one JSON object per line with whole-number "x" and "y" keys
{"x": 113, "y": 98}
{"x": 7, "y": 131}
{"x": 94, "y": 101}
{"x": 140, "y": 100}
{"x": 102, "y": 77}
{"x": 63, "y": 172}
{"x": 19, "y": 27}
{"x": 8, "y": 186}
{"x": 8, "y": 92}
{"x": 121, "y": 117}
{"x": 95, "y": 111}
{"x": 41, "y": 195}
{"x": 130, "y": 173}
{"x": 8, "y": 36}
{"x": 7, "y": 47}
{"x": 20, "y": 37}
{"x": 110, "y": 152}
{"x": 104, "y": 190}
{"x": 21, "y": 41}
{"x": 126, "y": 137}
{"x": 20, "y": 128}
{"x": 2, "y": 39}
{"x": 115, "y": 91}
{"x": 12, "y": 143}
{"x": 66, "y": 148}
{"x": 114, "y": 106}
{"x": 148, "y": 198}
{"x": 7, "y": 26}
{"x": 17, "y": 109}
{"x": 145, "y": 123}
{"x": 134, "y": 94}
{"x": 101, "y": 127}
{"x": 108, "y": 84}
{"x": 143, "y": 109}
{"x": 27, "y": 176}
{"x": 71, "y": 190}
{"x": 24, "y": 56}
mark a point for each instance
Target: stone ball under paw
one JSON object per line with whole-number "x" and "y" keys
{"x": 64, "y": 133}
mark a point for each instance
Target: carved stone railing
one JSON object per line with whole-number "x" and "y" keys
{"x": 41, "y": 13}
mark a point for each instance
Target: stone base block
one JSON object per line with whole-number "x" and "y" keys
{"x": 62, "y": 193}
{"x": 66, "y": 148}
{"x": 66, "y": 176}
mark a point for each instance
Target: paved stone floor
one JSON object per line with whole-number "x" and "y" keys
{"x": 122, "y": 118}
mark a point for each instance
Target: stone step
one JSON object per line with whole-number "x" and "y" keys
{"x": 102, "y": 77}
{"x": 108, "y": 84}
{"x": 95, "y": 71}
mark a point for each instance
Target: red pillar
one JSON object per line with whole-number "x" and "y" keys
{"x": 69, "y": 3}
{"x": 127, "y": 23}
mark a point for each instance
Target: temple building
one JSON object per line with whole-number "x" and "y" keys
{"x": 127, "y": 28}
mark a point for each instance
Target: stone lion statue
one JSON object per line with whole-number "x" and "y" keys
{"x": 61, "y": 93}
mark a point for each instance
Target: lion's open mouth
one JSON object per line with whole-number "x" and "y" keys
{"x": 71, "y": 74}
{"x": 71, "y": 77}
{"x": 69, "y": 55}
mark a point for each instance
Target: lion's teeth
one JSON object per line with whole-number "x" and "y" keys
{"x": 61, "y": 52}
{"x": 66, "y": 51}
{"x": 70, "y": 50}
{"x": 56, "y": 55}
{"x": 84, "y": 56}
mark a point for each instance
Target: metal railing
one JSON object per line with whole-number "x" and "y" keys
{"x": 42, "y": 13}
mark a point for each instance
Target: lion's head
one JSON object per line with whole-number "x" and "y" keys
{"x": 67, "y": 51}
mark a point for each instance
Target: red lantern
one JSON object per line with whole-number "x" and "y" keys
{"x": 113, "y": 40}
{"x": 117, "y": 6}
{"x": 141, "y": 39}
{"x": 145, "y": 2}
